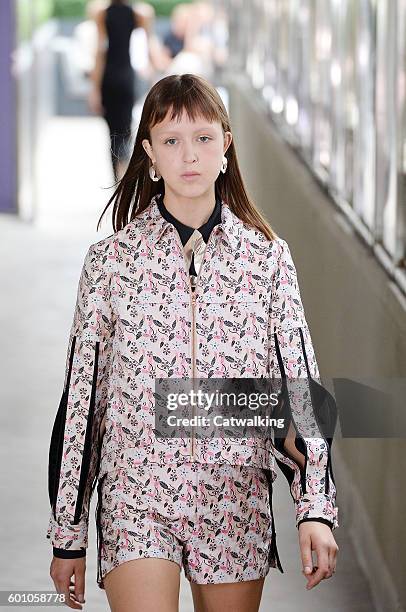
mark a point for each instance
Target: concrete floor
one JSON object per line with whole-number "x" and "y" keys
{"x": 40, "y": 266}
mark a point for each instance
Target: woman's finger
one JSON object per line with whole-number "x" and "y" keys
{"x": 332, "y": 557}
{"x": 62, "y": 587}
{"x": 80, "y": 583}
{"x": 306, "y": 554}
{"x": 322, "y": 570}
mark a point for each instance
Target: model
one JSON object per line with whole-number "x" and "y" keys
{"x": 193, "y": 284}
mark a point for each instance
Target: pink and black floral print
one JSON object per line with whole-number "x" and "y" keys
{"x": 211, "y": 519}
{"x": 135, "y": 320}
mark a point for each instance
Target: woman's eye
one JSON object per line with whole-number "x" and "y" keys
{"x": 171, "y": 140}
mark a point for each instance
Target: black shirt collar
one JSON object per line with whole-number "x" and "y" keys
{"x": 185, "y": 231}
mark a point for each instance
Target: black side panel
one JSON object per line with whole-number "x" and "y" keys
{"x": 283, "y": 410}
{"x": 87, "y": 450}
{"x": 56, "y": 444}
{"x": 273, "y": 553}
{"x": 325, "y": 412}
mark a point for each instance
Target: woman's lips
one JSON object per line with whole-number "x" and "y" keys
{"x": 190, "y": 177}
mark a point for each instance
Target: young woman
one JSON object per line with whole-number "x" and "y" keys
{"x": 192, "y": 284}
{"x": 113, "y": 79}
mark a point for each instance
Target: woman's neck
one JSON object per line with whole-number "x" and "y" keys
{"x": 193, "y": 212}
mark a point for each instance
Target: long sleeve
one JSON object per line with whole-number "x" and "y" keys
{"x": 301, "y": 450}
{"x": 74, "y": 451}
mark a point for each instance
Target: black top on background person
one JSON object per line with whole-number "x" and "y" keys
{"x": 118, "y": 82}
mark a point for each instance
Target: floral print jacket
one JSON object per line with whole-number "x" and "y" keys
{"x": 136, "y": 319}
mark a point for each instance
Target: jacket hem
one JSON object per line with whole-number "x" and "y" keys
{"x": 233, "y": 454}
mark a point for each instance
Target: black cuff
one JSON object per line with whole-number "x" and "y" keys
{"x": 319, "y": 520}
{"x": 61, "y": 553}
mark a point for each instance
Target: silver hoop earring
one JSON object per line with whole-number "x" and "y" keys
{"x": 154, "y": 177}
{"x": 224, "y": 164}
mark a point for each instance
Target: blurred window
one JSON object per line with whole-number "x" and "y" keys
{"x": 332, "y": 74}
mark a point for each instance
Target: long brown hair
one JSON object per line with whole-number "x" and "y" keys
{"x": 197, "y": 97}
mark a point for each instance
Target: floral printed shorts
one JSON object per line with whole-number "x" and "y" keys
{"x": 215, "y": 521}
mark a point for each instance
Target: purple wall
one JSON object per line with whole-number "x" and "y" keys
{"x": 8, "y": 153}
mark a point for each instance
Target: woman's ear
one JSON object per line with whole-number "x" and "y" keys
{"x": 148, "y": 149}
{"x": 228, "y": 137}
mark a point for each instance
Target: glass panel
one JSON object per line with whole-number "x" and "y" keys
{"x": 257, "y": 44}
{"x": 364, "y": 136}
{"x": 386, "y": 120}
{"x": 304, "y": 38}
{"x": 293, "y": 64}
{"x": 320, "y": 86}
{"x": 338, "y": 177}
{"x": 400, "y": 244}
{"x": 272, "y": 73}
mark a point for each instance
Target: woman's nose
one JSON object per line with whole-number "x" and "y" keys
{"x": 189, "y": 154}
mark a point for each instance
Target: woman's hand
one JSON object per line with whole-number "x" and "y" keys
{"x": 317, "y": 536}
{"x": 94, "y": 101}
{"x": 61, "y": 572}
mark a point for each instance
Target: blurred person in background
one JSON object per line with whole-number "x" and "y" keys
{"x": 174, "y": 40}
{"x": 112, "y": 94}
{"x": 85, "y": 37}
{"x": 196, "y": 20}
{"x": 184, "y": 49}
{"x": 163, "y": 51}
{"x": 209, "y": 31}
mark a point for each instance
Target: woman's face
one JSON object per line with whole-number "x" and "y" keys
{"x": 186, "y": 146}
